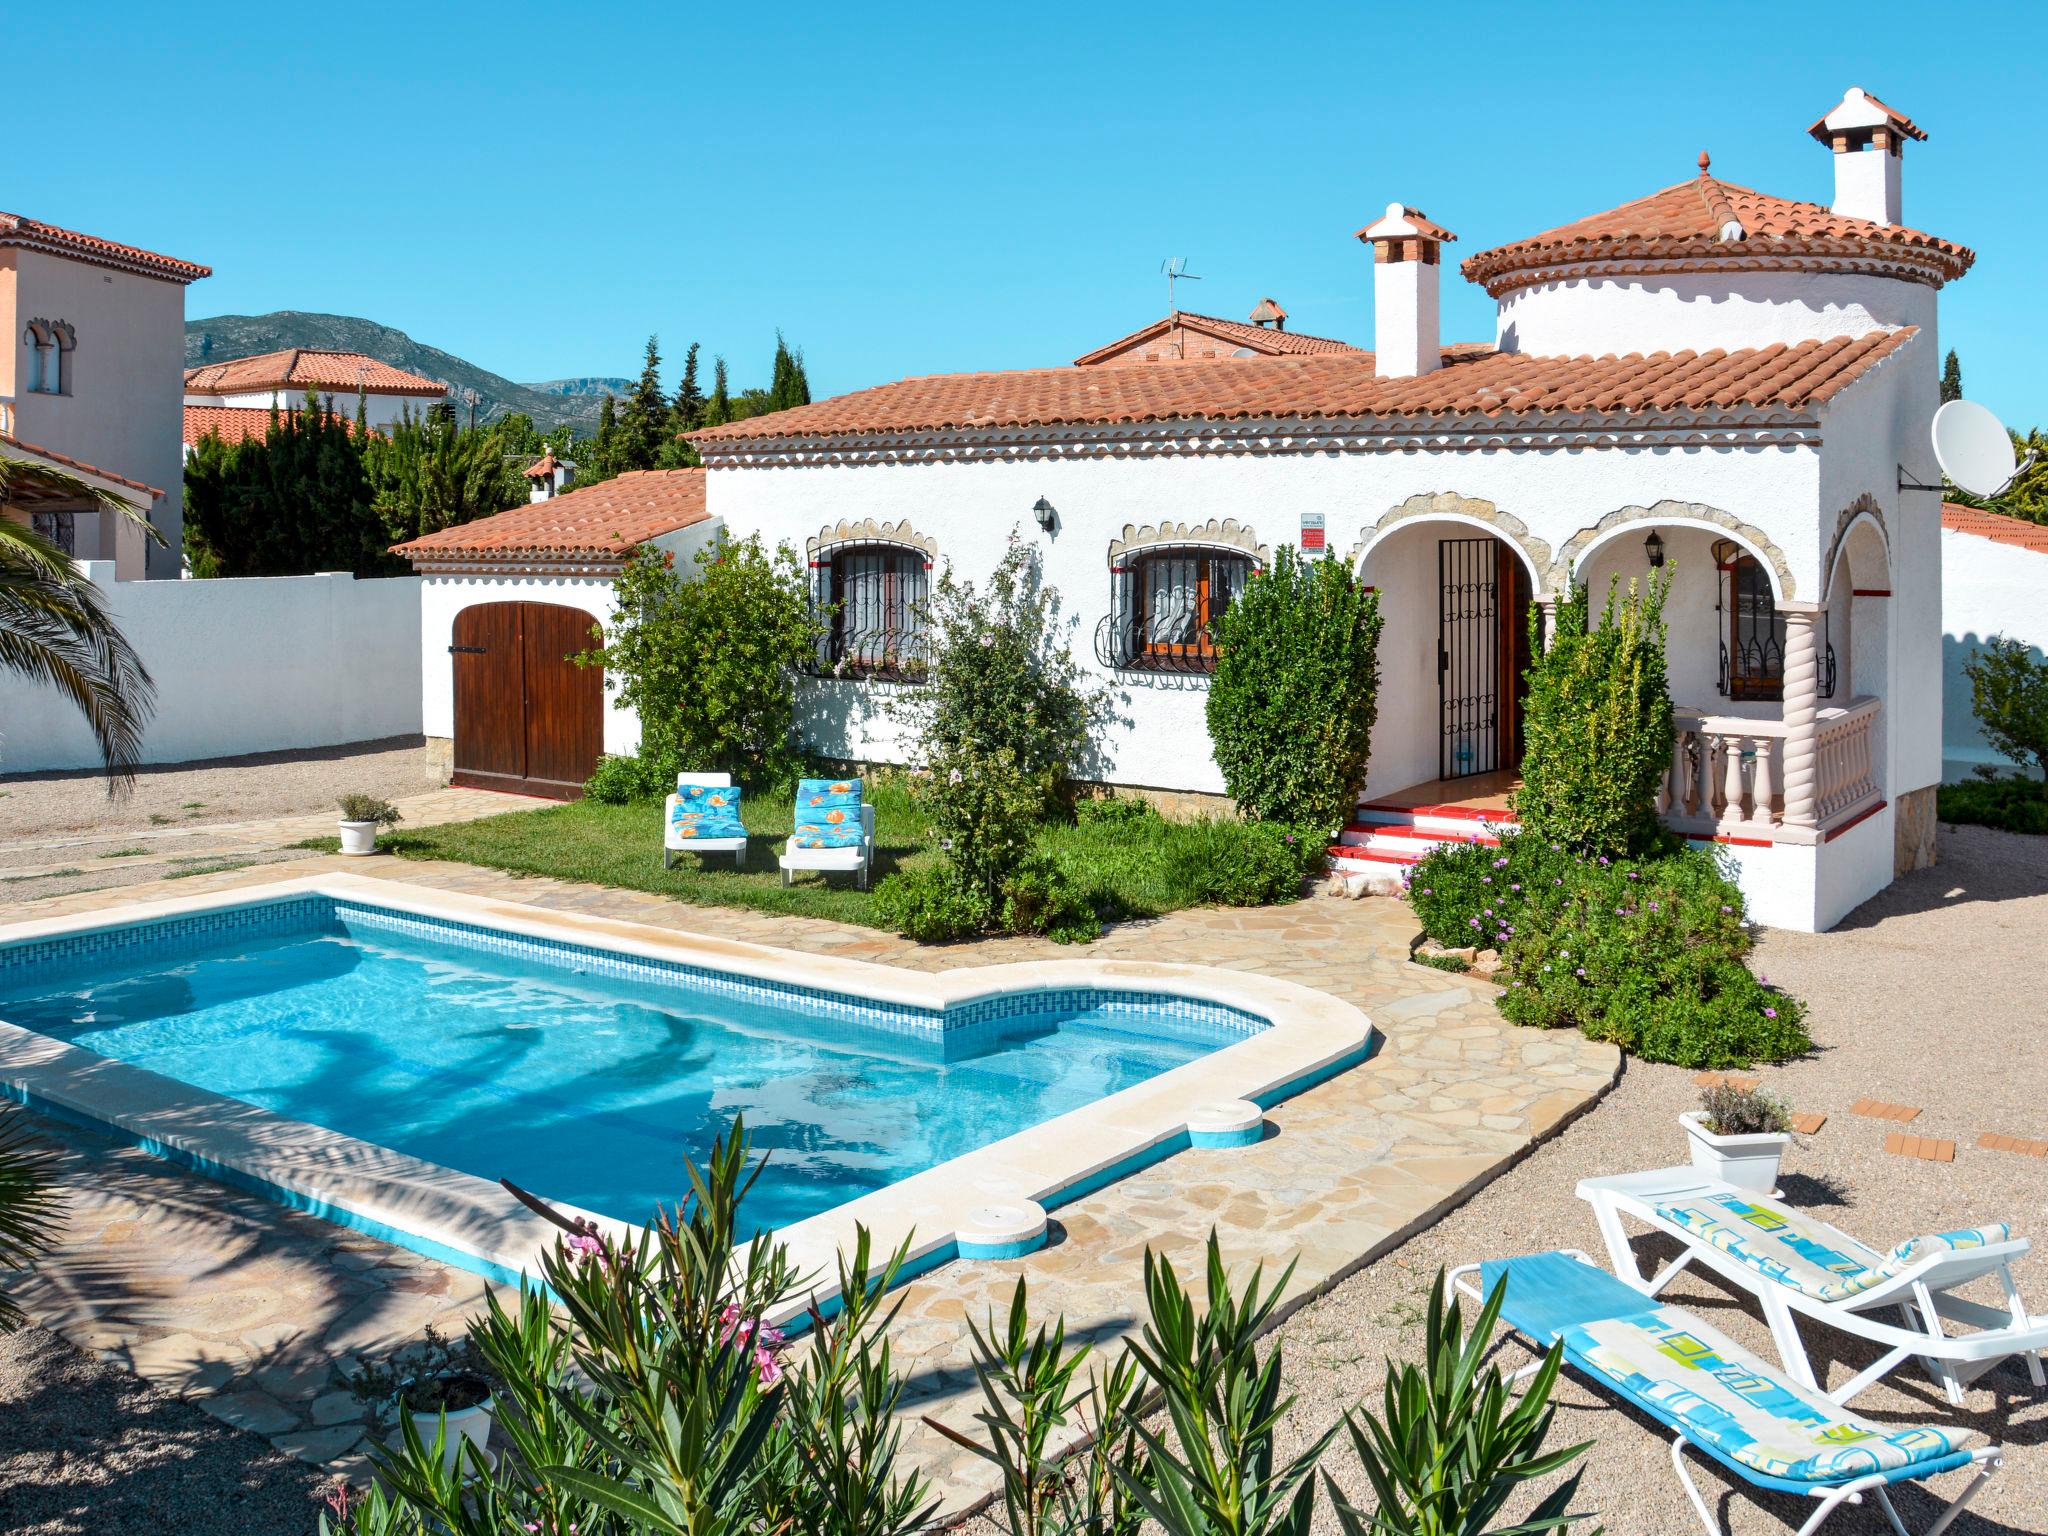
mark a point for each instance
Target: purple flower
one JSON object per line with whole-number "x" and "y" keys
{"x": 1770, "y": 1013}
{"x": 1580, "y": 971}
{"x": 1727, "y": 909}
{"x": 1500, "y": 863}
{"x": 1633, "y": 875}
{"x": 1428, "y": 892}
{"x": 1557, "y": 880}
{"x": 1473, "y": 921}
{"x": 1515, "y": 887}
{"x": 1603, "y": 861}
{"x": 1653, "y": 906}
{"x": 1486, "y": 879}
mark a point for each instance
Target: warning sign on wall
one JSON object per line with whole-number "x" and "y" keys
{"x": 1312, "y": 530}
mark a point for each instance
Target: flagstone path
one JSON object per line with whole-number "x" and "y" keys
{"x": 255, "y": 1311}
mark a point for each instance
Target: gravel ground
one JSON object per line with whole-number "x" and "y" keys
{"x": 87, "y": 1449}
{"x": 38, "y": 807}
{"x": 1927, "y": 996}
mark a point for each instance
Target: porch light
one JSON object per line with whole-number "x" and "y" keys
{"x": 1042, "y": 510}
{"x": 1653, "y": 551}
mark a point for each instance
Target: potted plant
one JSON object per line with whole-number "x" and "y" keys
{"x": 1739, "y": 1136}
{"x": 361, "y": 816}
{"x": 428, "y": 1381}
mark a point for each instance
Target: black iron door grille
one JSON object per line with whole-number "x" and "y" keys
{"x": 1467, "y": 657}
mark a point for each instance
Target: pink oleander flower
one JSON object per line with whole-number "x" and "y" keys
{"x": 583, "y": 1246}
{"x": 1580, "y": 971}
{"x": 769, "y": 1368}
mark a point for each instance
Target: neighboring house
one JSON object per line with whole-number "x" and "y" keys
{"x": 95, "y": 336}
{"x": 1181, "y": 337}
{"x": 507, "y": 599}
{"x": 547, "y": 475}
{"x": 282, "y": 379}
{"x": 239, "y": 423}
{"x": 1994, "y": 581}
{"x": 1710, "y": 379}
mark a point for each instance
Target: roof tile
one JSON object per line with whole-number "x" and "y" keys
{"x": 1267, "y": 341}
{"x": 1471, "y": 382}
{"x": 1995, "y": 526}
{"x": 36, "y": 235}
{"x": 598, "y": 525}
{"x": 300, "y": 368}
{"x": 68, "y": 462}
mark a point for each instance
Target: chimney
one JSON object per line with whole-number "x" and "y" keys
{"x": 1406, "y": 252}
{"x": 1867, "y": 137}
{"x": 1267, "y": 312}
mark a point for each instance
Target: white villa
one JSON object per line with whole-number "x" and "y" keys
{"x": 249, "y": 388}
{"x": 1733, "y": 386}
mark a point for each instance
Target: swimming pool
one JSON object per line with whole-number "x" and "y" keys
{"x": 383, "y": 1055}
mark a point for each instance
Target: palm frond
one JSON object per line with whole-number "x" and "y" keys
{"x": 17, "y": 475}
{"x": 29, "y": 1205}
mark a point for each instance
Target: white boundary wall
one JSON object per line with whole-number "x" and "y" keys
{"x": 1987, "y": 589}
{"x": 258, "y": 664}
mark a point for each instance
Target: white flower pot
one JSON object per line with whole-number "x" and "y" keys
{"x": 358, "y": 837}
{"x": 471, "y": 1424}
{"x": 1747, "y": 1162}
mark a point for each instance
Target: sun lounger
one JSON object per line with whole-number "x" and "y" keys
{"x": 703, "y": 816}
{"x": 834, "y": 830}
{"x": 1799, "y": 1266}
{"x": 1716, "y": 1397}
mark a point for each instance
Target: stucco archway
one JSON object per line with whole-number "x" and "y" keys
{"x": 1450, "y": 507}
{"x": 1572, "y": 558}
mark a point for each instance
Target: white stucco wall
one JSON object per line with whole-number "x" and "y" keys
{"x": 1670, "y": 313}
{"x": 1987, "y": 589}
{"x": 1160, "y": 737}
{"x": 260, "y": 664}
{"x": 379, "y": 410}
{"x": 122, "y": 412}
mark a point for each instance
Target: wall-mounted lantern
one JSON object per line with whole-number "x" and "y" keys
{"x": 1653, "y": 551}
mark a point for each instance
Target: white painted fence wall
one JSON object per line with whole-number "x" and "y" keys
{"x": 1987, "y": 589}
{"x": 258, "y": 664}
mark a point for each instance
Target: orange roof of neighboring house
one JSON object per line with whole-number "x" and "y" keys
{"x": 599, "y": 525}
{"x": 1265, "y": 340}
{"x": 65, "y": 460}
{"x": 543, "y": 466}
{"x": 1688, "y": 221}
{"x": 303, "y": 368}
{"x": 1995, "y": 526}
{"x": 37, "y": 236}
{"x": 1473, "y": 382}
{"x": 239, "y": 423}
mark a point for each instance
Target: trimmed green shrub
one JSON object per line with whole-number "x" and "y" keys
{"x": 1296, "y": 690}
{"x": 2009, "y": 693}
{"x": 1648, "y": 953}
{"x": 710, "y": 663}
{"x": 935, "y": 905}
{"x": 2009, "y": 804}
{"x": 624, "y": 780}
{"x": 1597, "y": 725}
{"x": 1113, "y": 811}
{"x": 931, "y": 905}
{"x": 1241, "y": 864}
{"x": 1041, "y": 897}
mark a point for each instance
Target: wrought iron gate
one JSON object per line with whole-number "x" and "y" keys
{"x": 1468, "y": 656}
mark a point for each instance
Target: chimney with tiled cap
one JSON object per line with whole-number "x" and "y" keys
{"x": 1406, "y": 252}
{"x": 1867, "y": 137}
{"x": 1266, "y": 312}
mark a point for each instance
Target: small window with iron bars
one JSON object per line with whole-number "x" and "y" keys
{"x": 1164, "y": 605}
{"x": 872, "y": 596}
{"x": 1753, "y": 631}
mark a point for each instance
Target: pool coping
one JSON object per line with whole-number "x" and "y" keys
{"x": 474, "y": 1223}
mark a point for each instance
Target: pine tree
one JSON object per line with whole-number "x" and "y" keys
{"x": 787, "y": 385}
{"x": 688, "y": 411}
{"x": 643, "y": 424}
{"x": 1951, "y": 378}
{"x": 718, "y": 410}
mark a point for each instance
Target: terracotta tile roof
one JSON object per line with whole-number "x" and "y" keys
{"x": 1709, "y": 219}
{"x": 599, "y": 525}
{"x": 9, "y": 440}
{"x": 303, "y": 368}
{"x": 37, "y": 236}
{"x": 239, "y": 423}
{"x": 1263, "y": 339}
{"x": 1892, "y": 115}
{"x": 543, "y": 466}
{"x": 1423, "y": 224}
{"x": 1473, "y": 381}
{"x": 1995, "y": 526}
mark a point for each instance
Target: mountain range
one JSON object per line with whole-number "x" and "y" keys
{"x": 553, "y": 402}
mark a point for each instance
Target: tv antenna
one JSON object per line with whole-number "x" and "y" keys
{"x": 1974, "y": 450}
{"x": 1176, "y": 268}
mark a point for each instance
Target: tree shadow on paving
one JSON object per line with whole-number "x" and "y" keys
{"x": 1973, "y": 865}
{"x": 90, "y": 1448}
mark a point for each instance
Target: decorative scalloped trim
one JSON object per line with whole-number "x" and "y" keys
{"x": 1864, "y": 506}
{"x": 1752, "y": 537}
{"x": 1640, "y": 259}
{"x": 1227, "y": 534}
{"x": 1428, "y": 504}
{"x": 869, "y": 531}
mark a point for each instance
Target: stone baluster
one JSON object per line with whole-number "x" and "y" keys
{"x": 1703, "y": 781}
{"x": 1546, "y": 609}
{"x": 1802, "y": 714}
{"x": 1731, "y": 778}
{"x": 1761, "y": 789}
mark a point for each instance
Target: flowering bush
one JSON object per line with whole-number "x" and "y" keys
{"x": 1648, "y": 953}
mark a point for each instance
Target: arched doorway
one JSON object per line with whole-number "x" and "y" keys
{"x": 527, "y": 719}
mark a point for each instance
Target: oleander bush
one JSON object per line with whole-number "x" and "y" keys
{"x": 1647, "y": 952}
{"x": 2009, "y": 693}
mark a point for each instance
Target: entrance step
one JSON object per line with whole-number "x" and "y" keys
{"x": 1403, "y": 835}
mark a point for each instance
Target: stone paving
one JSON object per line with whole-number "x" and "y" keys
{"x": 255, "y": 1310}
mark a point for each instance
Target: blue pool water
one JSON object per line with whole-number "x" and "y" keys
{"x": 584, "y": 1086}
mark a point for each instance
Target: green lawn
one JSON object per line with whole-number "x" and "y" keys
{"x": 1136, "y": 868}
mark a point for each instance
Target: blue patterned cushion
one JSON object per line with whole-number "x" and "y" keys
{"x": 1807, "y": 1256}
{"x": 707, "y": 810}
{"x": 1723, "y": 1396}
{"x": 827, "y": 814}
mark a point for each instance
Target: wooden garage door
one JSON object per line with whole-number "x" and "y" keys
{"x": 526, "y": 717}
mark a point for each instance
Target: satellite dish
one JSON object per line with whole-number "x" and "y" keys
{"x": 1973, "y": 448}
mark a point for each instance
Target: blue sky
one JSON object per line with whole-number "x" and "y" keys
{"x": 924, "y": 190}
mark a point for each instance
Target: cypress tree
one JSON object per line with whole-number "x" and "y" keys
{"x": 718, "y": 410}
{"x": 787, "y": 385}
{"x": 688, "y": 410}
{"x": 644, "y": 423}
{"x": 1951, "y": 378}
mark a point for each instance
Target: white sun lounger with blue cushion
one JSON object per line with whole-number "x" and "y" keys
{"x": 1796, "y": 1265}
{"x": 1717, "y": 1397}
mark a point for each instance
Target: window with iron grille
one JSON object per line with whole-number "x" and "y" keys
{"x": 1164, "y": 604}
{"x": 1753, "y": 631}
{"x": 874, "y": 596}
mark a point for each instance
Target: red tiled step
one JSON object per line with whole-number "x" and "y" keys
{"x": 1418, "y": 834}
{"x": 1449, "y": 812}
{"x": 1350, "y": 852}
